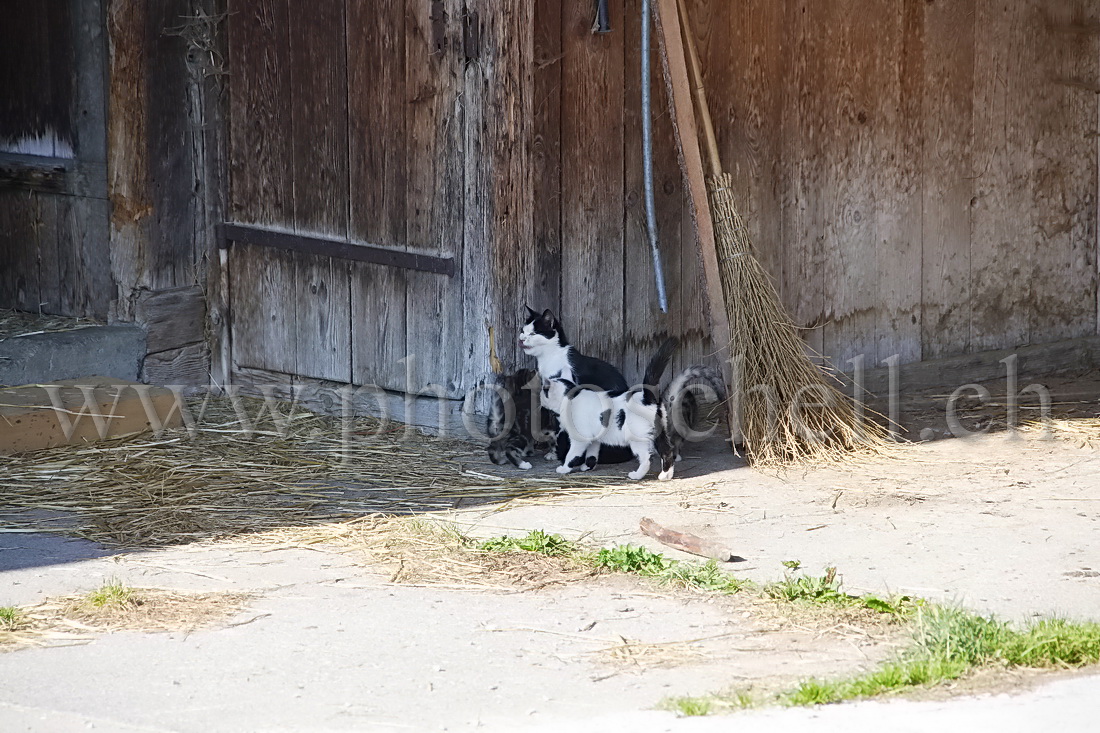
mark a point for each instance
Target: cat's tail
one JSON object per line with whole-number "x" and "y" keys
{"x": 696, "y": 373}
{"x": 655, "y": 369}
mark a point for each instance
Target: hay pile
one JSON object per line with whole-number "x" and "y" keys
{"x": 74, "y": 620}
{"x": 220, "y": 480}
{"x": 21, "y": 323}
{"x": 418, "y": 551}
{"x": 1083, "y": 432}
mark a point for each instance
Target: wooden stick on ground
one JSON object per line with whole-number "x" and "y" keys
{"x": 686, "y": 542}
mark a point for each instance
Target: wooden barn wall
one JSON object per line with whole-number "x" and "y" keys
{"x": 397, "y": 125}
{"x": 54, "y": 254}
{"x": 919, "y": 178}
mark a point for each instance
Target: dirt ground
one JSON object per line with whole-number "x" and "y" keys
{"x": 1003, "y": 523}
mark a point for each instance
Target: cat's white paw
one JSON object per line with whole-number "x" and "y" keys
{"x": 666, "y": 475}
{"x": 552, "y": 455}
{"x": 636, "y": 475}
{"x": 563, "y": 469}
{"x": 524, "y": 466}
{"x": 584, "y": 467}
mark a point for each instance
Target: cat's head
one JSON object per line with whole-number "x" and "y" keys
{"x": 541, "y": 333}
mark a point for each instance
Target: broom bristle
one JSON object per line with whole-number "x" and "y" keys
{"x": 788, "y": 412}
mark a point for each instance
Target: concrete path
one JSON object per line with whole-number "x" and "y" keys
{"x": 329, "y": 644}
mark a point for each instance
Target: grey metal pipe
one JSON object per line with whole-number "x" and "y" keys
{"x": 647, "y": 156}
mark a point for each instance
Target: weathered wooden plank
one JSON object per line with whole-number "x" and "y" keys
{"x": 377, "y": 326}
{"x": 545, "y": 163}
{"x": 318, "y": 70}
{"x": 592, "y": 182}
{"x": 376, "y": 120}
{"x": 171, "y": 250}
{"x": 88, "y": 106}
{"x": 246, "y": 308}
{"x": 84, "y": 258}
{"x": 264, "y": 317}
{"x": 811, "y": 194}
{"x": 436, "y": 417}
{"x": 858, "y": 40}
{"x": 337, "y": 248}
{"x": 172, "y": 318}
{"x": 323, "y": 318}
{"x": 10, "y": 245}
{"x": 1064, "y": 166}
{"x": 47, "y": 232}
{"x": 376, "y": 73}
{"x": 898, "y": 187}
{"x": 208, "y": 110}
{"x": 644, "y": 326}
{"x": 318, "y": 67}
{"x": 187, "y": 366}
{"x": 708, "y": 297}
{"x": 260, "y": 152}
{"x": 500, "y": 239}
{"x": 127, "y": 165}
{"x": 22, "y": 243}
{"x": 1032, "y": 362}
{"x": 1000, "y": 226}
{"x": 434, "y": 60}
{"x": 948, "y": 104}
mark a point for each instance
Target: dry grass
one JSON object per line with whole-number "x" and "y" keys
{"x": 1084, "y": 432}
{"x": 789, "y": 412}
{"x": 637, "y": 655}
{"x": 417, "y": 551}
{"x": 79, "y": 619}
{"x": 221, "y": 480}
{"x": 21, "y": 323}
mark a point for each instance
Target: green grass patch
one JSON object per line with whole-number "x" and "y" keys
{"x": 950, "y": 643}
{"x": 111, "y": 595}
{"x": 690, "y": 706}
{"x": 11, "y": 618}
{"x": 552, "y": 545}
{"x": 808, "y": 589}
{"x": 646, "y": 563}
{"x": 629, "y": 559}
{"x": 632, "y": 559}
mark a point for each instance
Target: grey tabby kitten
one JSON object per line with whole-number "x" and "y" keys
{"x": 513, "y": 431}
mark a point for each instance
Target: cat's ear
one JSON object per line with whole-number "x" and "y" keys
{"x": 531, "y": 312}
{"x": 548, "y": 316}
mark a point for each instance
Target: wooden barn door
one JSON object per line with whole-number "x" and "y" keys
{"x": 346, "y": 191}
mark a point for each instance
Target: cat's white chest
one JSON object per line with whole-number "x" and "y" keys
{"x": 555, "y": 364}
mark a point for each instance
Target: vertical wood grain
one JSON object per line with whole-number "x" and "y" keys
{"x": 319, "y": 113}
{"x": 592, "y": 182}
{"x": 1064, "y": 80}
{"x": 643, "y": 323}
{"x": 546, "y": 160}
{"x": 809, "y": 154}
{"x": 376, "y": 108}
{"x": 434, "y": 203}
{"x": 860, "y": 42}
{"x": 261, "y": 183}
{"x": 898, "y": 186}
{"x": 1005, "y": 87}
{"x": 948, "y": 176}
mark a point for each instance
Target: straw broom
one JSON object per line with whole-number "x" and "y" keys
{"x": 788, "y": 411}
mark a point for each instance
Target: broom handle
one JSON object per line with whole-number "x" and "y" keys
{"x": 700, "y": 92}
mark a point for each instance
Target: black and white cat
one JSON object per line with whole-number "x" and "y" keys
{"x": 622, "y": 418}
{"x": 643, "y": 419}
{"x": 542, "y": 337}
{"x": 513, "y": 432}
